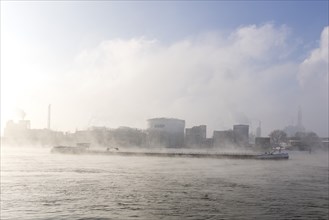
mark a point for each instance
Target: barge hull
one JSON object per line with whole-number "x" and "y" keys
{"x": 158, "y": 154}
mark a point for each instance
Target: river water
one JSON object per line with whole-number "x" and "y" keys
{"x": 36, "y": 184}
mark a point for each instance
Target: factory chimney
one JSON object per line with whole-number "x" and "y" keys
{"x": 299, "y": 117}
{"x": 49, "y": 113}
{"x": 259, "y": 130}
{"x": 300, "y": 127}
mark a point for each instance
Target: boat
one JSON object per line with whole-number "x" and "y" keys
{"x": 275, "y": 155}
{"x": 78, "y": 149}
{"x": 85, "y": 150}
{"x": 68, "y": 150}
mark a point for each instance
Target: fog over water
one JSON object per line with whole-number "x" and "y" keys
{"x": 36, "y": 184}
{"x": 97, "y": 77}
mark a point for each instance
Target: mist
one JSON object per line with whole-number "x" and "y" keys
{"x": 164, "y": 110}
{"x": 212, "y": 78}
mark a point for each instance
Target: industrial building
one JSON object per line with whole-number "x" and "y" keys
{"x": 196, "y": 136}
{"x": 165, "y": 132}
{"x": 119, "y": 137}
{"x": 129, "y": 137}
{"x": 20, "y": 133}
{"x": 241, "y": 134}
{"x": 223, "y": 139}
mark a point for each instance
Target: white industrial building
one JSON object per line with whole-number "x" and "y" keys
{"x": 166, "y": 132}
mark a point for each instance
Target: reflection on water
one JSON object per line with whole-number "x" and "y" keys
{"x": 38, "y": 185}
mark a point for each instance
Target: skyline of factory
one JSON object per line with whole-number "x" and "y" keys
{"x": 257, "y": 131}
{"x": 166, "y": 132}
{"x": 169, "y": 132}
{"x": 160, "y": 132}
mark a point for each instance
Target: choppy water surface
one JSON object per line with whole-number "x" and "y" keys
{"x": 38, "y": 185}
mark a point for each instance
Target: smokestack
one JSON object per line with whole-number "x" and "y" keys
{"x": 259, "y": 130}
{"x": 299, "y": 117}
{"x": 49, "y": 112}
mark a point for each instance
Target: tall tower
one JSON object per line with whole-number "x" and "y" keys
{"x": 49, "y": 113}
{"x": 299, "y": 118}
{"x": 259, "y": 130}
{"x": 300, "y": 127}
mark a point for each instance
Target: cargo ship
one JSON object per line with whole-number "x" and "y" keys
{"x": 86, "y": 150}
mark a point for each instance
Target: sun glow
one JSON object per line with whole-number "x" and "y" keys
{"x": 15, "y": 79}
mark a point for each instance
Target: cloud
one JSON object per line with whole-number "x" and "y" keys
{"x": 246, "y": 76}
{"x": 210, "y": 79}
{"x": 315, "y": 66}
{"x": 313, "y": 80}
{"x": 260, "y": 42}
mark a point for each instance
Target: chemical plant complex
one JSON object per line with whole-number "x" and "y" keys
{"x": 160, "y": 132}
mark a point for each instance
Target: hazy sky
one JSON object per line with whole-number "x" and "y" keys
{"x": 119, "y": 63}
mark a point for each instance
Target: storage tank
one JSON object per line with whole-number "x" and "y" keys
{"x": 167, "y": 132}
